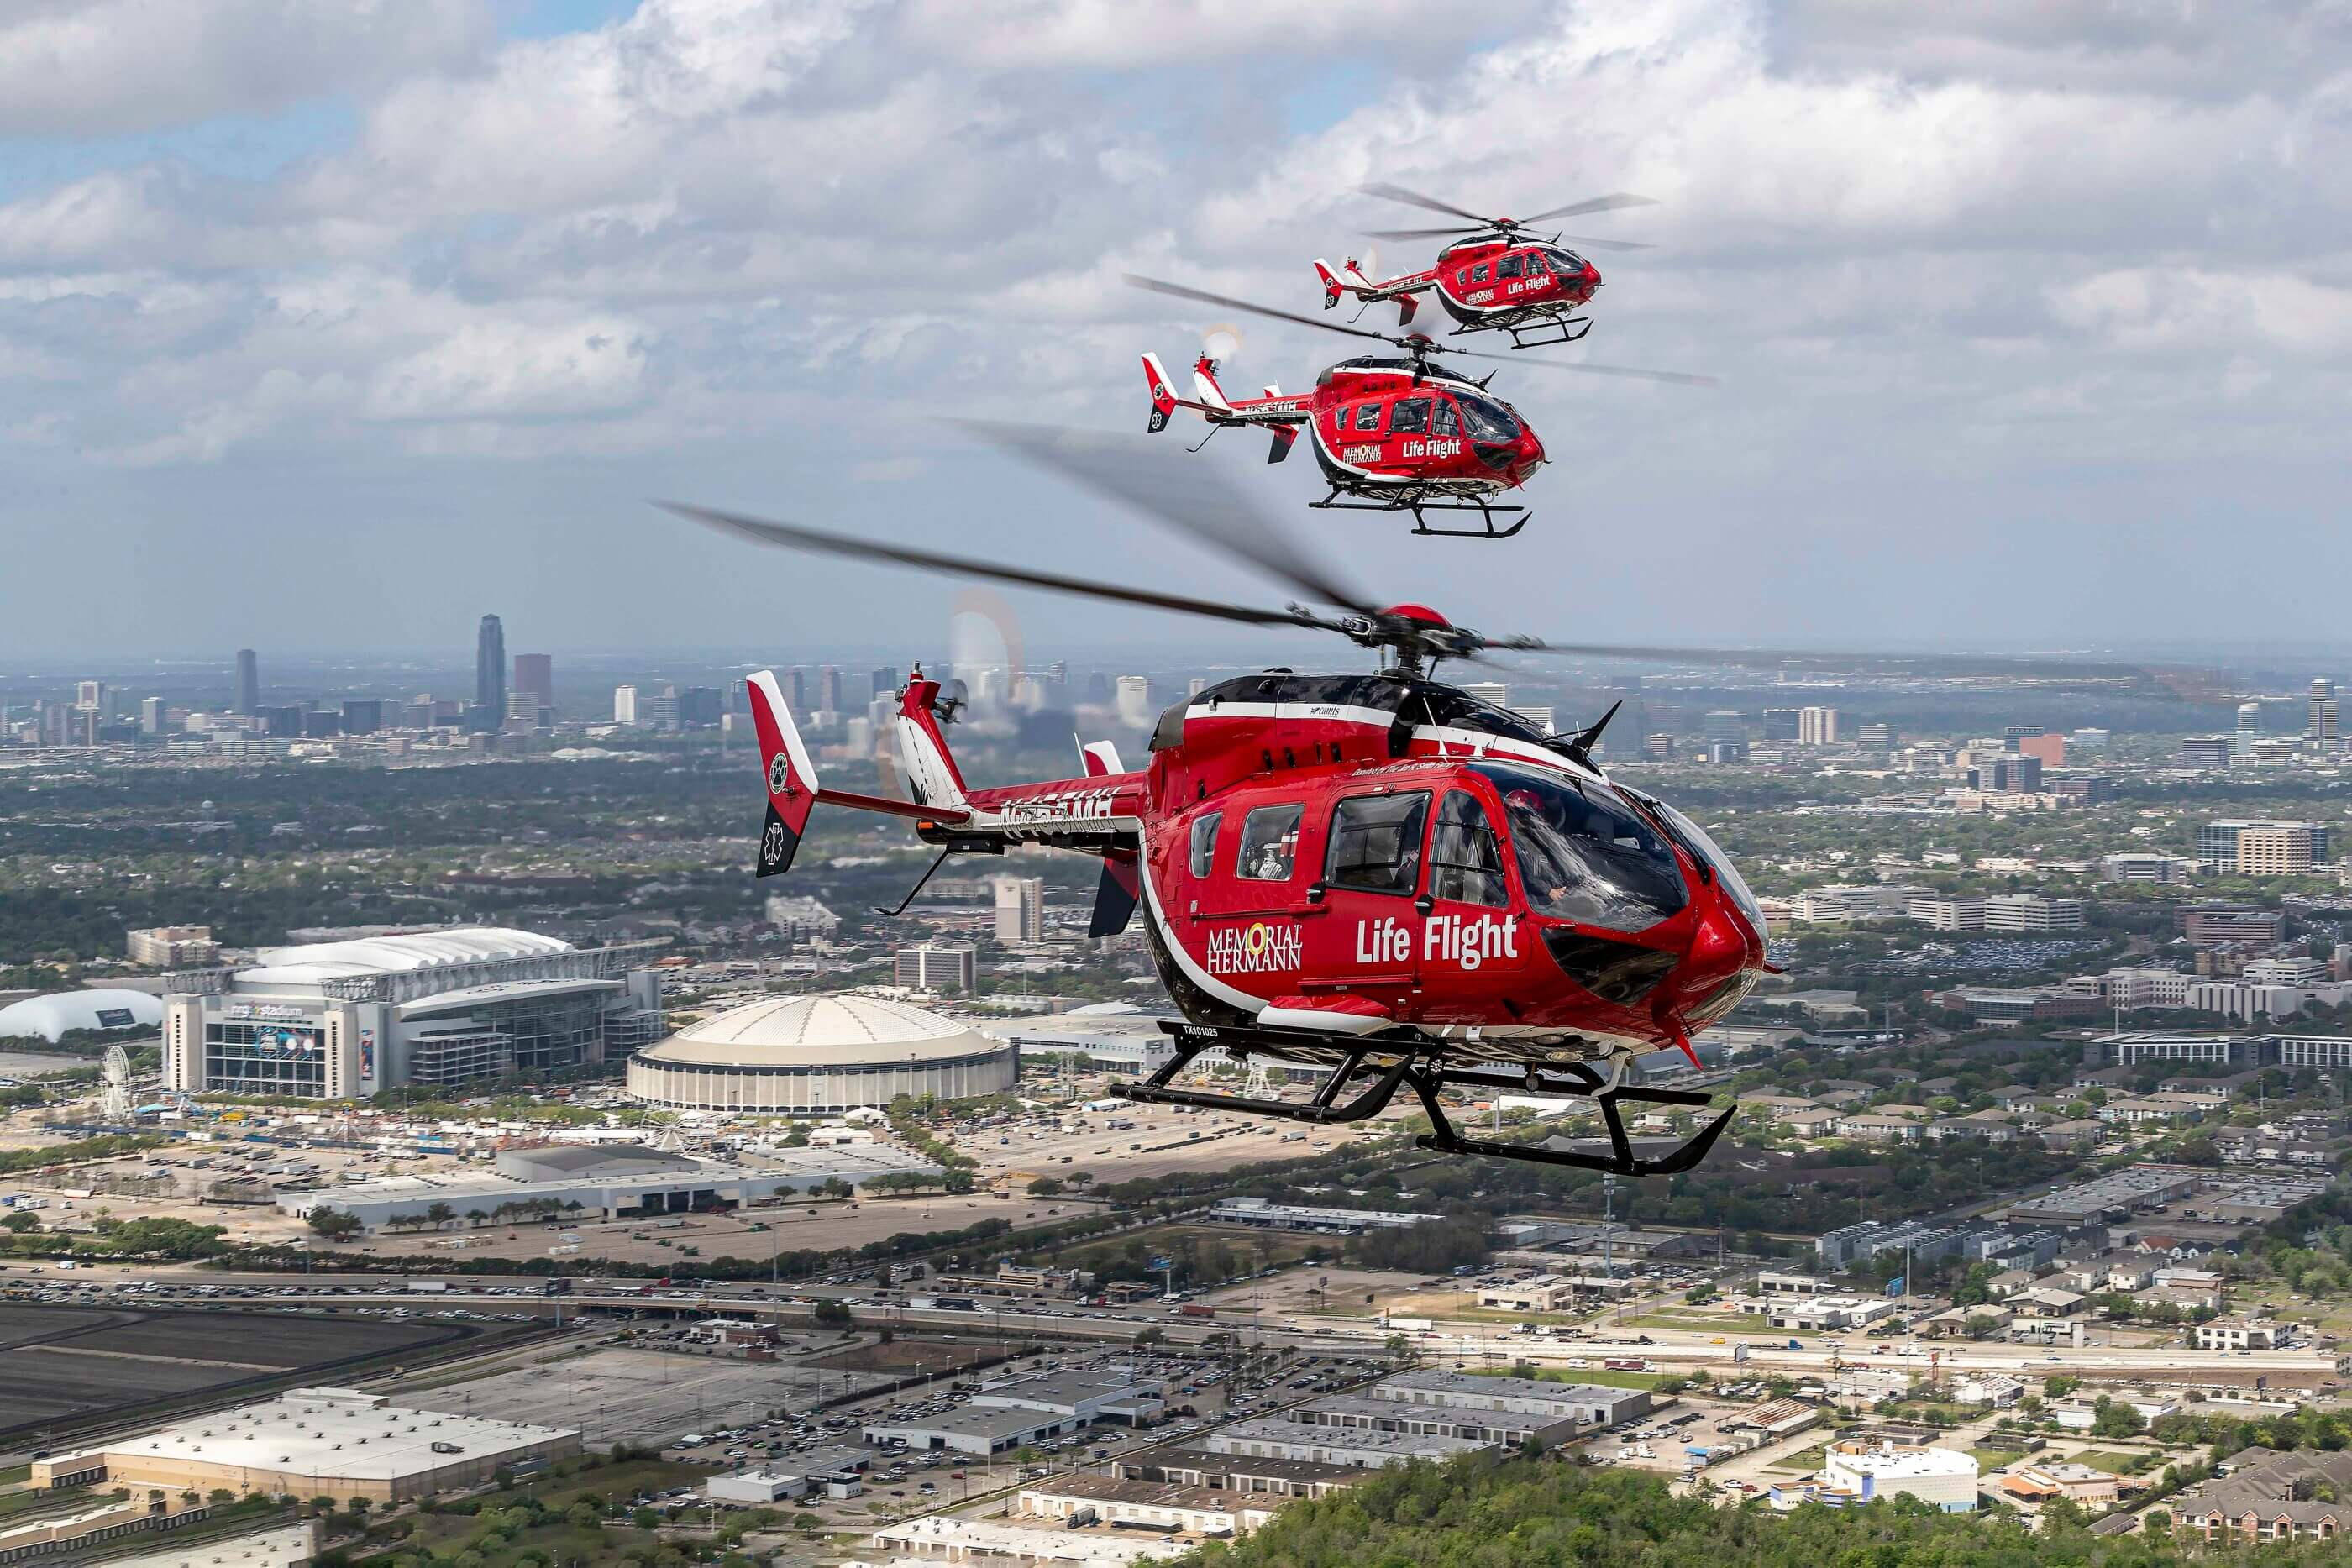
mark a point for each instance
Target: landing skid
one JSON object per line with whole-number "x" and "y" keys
{"x": 1487, "y": 512}
{"x": 1536, "y": 334}
{"x": 1385, "y": 1064}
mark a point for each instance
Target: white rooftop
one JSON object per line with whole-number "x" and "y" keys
{"x": 1891, "y": 1463}
{"x": 316, "y": 961}
{"x": 327, "y": 1432}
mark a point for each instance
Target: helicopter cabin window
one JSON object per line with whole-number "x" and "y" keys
{"x": 1269, "y": 843}
{"x": 1481, "y": 272}
{"x": 1376, "y": 842}
{"x": 1566, "y": 263}
{"x": 1204, "y": 847}
{"x": 1442, "y": 421}
{"x": 1410, "y": 418}
{"x": 1535, "y": 264}
{"x": 1509, "y": 267}
{"x": 1368, "y": 416}
{"x": 1465, "y": 865}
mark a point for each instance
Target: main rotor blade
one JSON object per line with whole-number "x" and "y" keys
{"x": 791, "y": 536}
{"x": 1189, "y": 497}
{"x": 1597, "y": 205}
{"x": 1423, "y": 234}
{"x": 1672, "y": 378}
{"x": 1179, "y": 291}
{"x": 1416, "y": 199}
{"x": 1591, "y": 243}
{"x": 2190, "y": 683}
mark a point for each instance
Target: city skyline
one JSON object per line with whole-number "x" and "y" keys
{"x": 1974, "y": 393}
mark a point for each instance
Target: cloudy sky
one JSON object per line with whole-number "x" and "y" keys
{"x": 333, "y": 323}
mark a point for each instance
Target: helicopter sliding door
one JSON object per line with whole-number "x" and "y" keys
{"x": 1472, "y": 938}
{"x": 1365, "y": 939}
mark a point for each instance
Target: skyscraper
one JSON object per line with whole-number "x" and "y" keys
{"x": 248, "y": 680}
{"x": 1134, "y": 703}
{"x": 886, "y": 681}
{"x": 1817, "y": 726}
{"x": 534, "y": 676}
{"x": 828, "y": 690}
{"x": 624, "y": 705}
{"x": 490, "y": 674}
{"x": 1020, "y": 908}
{"x": 2321, "y": 731}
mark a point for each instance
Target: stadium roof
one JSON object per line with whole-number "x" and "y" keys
{"x": 317, "y": 961}
{"x": 51, "y": 1017}
{"x": 821, "y": 1031}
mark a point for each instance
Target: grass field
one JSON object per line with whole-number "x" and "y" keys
{"x": 903, "y": 1356}
{"x": 1248, "y": 1250}
{"x": 1993, "y": 1459}
{"x": 558, "y": 1541}
{"x": 1600, "y": 1376}
{"x": 2114, "y": 1461}
{"x": 1802, "y": 1459}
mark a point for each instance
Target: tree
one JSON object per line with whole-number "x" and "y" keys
{"x": 2113, "y": 1419}
{"x": 1150, "y": 1336}
{"x": 832, "y": 1314}
{"x": 334, "y": 1224}
{"x": 645, "y": 1519}
{"x": 2060, "y": 1386}
{"x": 1979, "y": 1325}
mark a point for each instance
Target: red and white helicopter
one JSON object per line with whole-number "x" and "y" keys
{"x": 1497, "y": 276}
{"x": 1390, "y": 432}
{"x": 1374, "y": 874}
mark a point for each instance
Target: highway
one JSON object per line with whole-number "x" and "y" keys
{"x": 1766, "y": 1350}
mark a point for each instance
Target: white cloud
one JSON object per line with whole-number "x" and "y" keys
{"x": 103, "y": 66}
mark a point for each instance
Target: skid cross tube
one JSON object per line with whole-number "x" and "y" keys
{"x": 1419, "y": 1062}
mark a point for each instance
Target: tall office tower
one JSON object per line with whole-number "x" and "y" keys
{"x": 1020, "y": 909}
{"x": 885, "y": 681}
{"x": 248, "y": 680}
{"x": 828, "y": 690}
{"x": 1817, "y": 726}
{"x": 534, "y": 675}
{"x": 1196, "y": 685}
{"x": 624, "y": 705}
{"x": 1724, "y": 724}
{"x": 1780, "y": 724}
{"x": 1494, "y": 692}
{"x": 490, "y": 672}
{"x": 1097, "y": 690}
{"x": 936, "y": 967}
{"x": 150, "y": 715}
{"x": 1134, "y": 701}
{"x": 795, "y": 687}
{"x": 2321, "y": 730}
{"x": 89, "y": 696}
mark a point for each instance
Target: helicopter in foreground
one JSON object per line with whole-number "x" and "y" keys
{"x": 1374, "y": 874}
{"x": 1398, "y": 432}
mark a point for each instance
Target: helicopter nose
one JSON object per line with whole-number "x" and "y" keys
{"x": 1531, "y": 456}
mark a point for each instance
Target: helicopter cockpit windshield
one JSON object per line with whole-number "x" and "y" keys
{"x": 1485, "y": 419}
{"x": 1583, "y": 854}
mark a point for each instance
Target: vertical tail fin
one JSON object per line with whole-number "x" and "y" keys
{"x": 1204, "y": 382}
{"x": 1333, "y": 289}
{"x": 1163, "y": 397}
{"x": 1101, "y": 759}
{"x": 932, "y": 776}
{"x": 791, "y": 777}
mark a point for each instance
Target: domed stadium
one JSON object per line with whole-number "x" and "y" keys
{"x": 820, "y": 1053}
{"x": 56, "y": 1014}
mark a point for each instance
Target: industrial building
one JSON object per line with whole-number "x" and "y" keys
{"x": 1265, "y": 1214}
{"x": 1076, "y": 1499}
{"x": 971, "y": 1429}
{"x": 1268, "y": 1438}
{"x": 345, "y": 1020}
{"x": 1354, "y": 1413}
{"x": 821, "y": 1053}
{"x": 1943, "y": 1478}
{"x": 314, "y": 1442}
{"x": 2115, "y": 1196}
{"x": 1190, "y": 1467}
{"x": 1083, "y": 1396}
{"x": 1591, "y": 1405}
{"x": 1105, "y": 1035}
{"x": 604, "y": 1181}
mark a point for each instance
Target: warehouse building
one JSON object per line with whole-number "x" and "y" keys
{"x": 1591, "y": 1405}
{"x": 820, "y": 1054}
{"x": 604, "y": 1181}
{"x": 974, "y": 1429}
{"x": 1082, "y": 1396}
{"x": 1236, "y": 1472}
{"x": 1266, "y": 1437}
{"x": 1265, "y": 1214}
{"x": 1943, "y": 1478}
{"x": 314, "y": 1442}
{"x": 2115, "y": 1196}
{"x": 345, "y": 1020}
{"x": 1076, "y": 1500}
{"x": 1355, "y": 1414}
